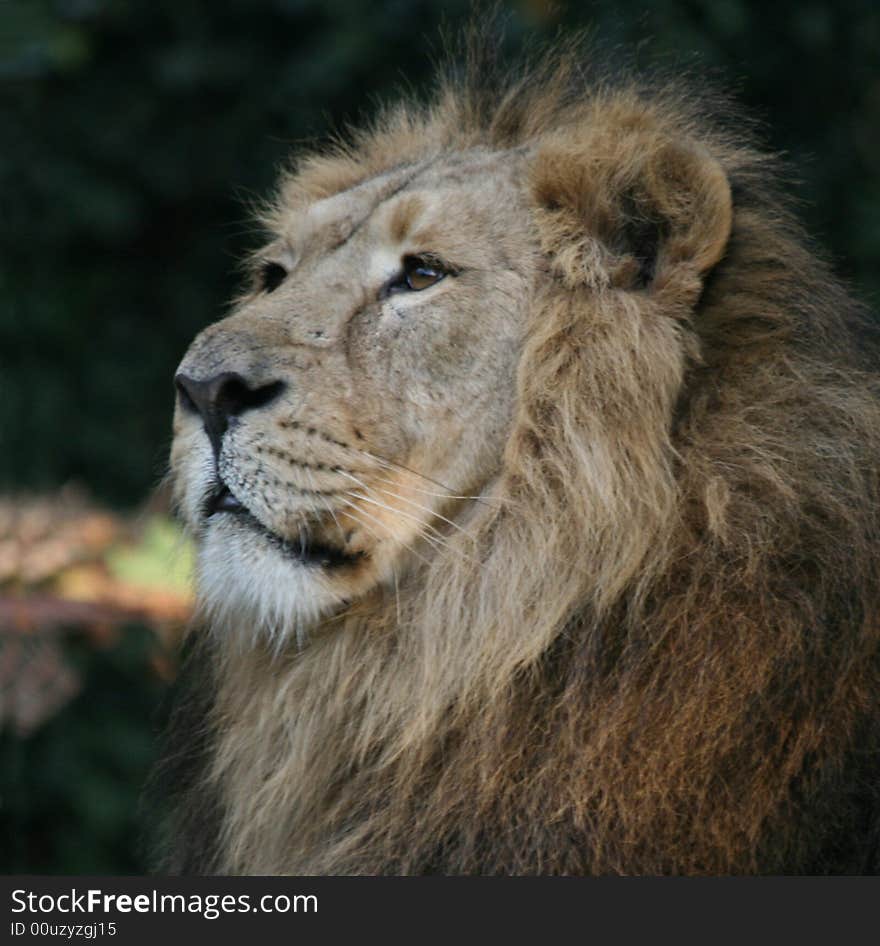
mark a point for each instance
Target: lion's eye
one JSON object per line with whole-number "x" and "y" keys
{"x": 271, "y": 276}
{"x": 419, "y": 272}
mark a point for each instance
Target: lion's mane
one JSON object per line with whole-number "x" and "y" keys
{"x": 656, "y": 651}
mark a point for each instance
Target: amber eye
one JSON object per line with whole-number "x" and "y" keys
{"x": 419, "y": 272}
{"x": 271, "y": 276}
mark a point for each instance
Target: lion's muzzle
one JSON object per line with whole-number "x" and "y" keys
{"x": 221, "y": 397}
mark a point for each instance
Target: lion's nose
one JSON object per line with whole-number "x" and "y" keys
{"x": 221, "y": 397}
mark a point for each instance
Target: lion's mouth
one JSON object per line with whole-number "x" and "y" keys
{"x": 222, "y": 500}
{"x": 306, "y": 549}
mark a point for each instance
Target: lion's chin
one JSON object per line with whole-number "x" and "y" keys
{"x": 255, "y": 583}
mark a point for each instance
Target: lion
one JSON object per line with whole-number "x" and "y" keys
{"x": 534, "y": 484}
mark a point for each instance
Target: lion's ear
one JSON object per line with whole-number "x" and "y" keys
{"x": 630, "y": 208}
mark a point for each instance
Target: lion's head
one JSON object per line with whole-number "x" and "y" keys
{"x": 534, "y": 487}
{"x": 327, "y": 430}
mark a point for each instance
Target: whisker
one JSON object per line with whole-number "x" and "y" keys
{"x": 379, "y": 522}
{"x": 449, "y": 493}
{"x": 430, "y": 512}
{"x": 427, "y": 492}
{"x": 393, "y": 464}
{"x": 436, "y": 541}
{"x": 438, "y": 536}
{"x": 327, "y": 505}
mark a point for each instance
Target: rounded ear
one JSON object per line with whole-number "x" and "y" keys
{"x": 630, "y": 207}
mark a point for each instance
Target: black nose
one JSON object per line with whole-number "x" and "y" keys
{"x": 225, "y": 395}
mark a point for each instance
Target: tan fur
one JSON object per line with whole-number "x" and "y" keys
{"x": 650, "y": 644}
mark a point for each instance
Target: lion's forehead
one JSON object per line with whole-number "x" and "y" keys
{"x": 432, "y": 205}
{"x": 352, "y": 207}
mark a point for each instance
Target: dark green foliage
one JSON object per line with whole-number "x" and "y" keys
{"x": 70, "y": 794}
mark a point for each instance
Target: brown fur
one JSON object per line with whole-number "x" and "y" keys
{"x": 656, "y": 648}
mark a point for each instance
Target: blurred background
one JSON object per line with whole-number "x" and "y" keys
{"x": 133, "y": 135}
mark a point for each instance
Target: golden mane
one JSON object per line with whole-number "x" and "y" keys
{"x": 656, "y": 649}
